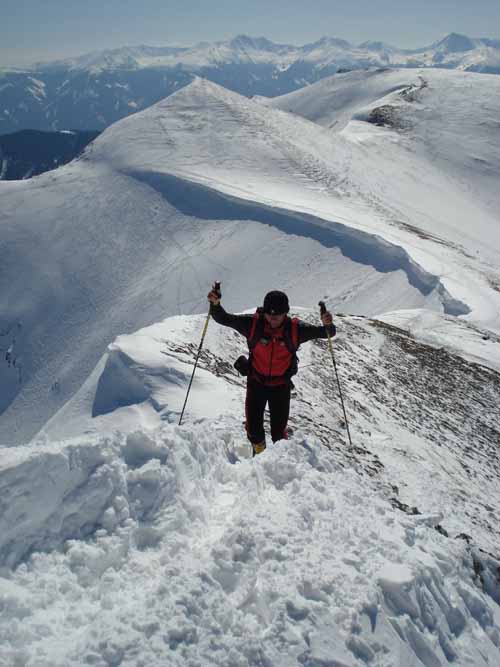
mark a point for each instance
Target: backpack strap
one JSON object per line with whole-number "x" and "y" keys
{"x": 290, "y": 338}
{"x": 290, "y": 333}
{"x": 256, "y": 329}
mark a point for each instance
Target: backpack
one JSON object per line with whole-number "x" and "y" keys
{"x": 290, "y": 339}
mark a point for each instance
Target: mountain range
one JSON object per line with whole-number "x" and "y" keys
{"x": 94, "y": 90}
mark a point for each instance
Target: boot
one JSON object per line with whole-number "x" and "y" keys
{"x": 258, "y": 447}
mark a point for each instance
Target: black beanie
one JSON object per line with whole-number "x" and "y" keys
{"x": 276, "y": 303}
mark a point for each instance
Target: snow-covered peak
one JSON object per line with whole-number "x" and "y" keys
{"x": 327, "y": 42}
{"x": 427, "y": 107}
{"x": 204, "y": 166}
{"x": 455, "y": 43}
{"x": 127, "y": 57}
{"x": 377, "y": 46}
{"x": 244, "y": 42}
{"x": 454, "y": 50}
{"x": 198, "y": 56}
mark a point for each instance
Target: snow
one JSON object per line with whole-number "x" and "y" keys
{"x": 128, "y": 540}
{"x": 194, "y": 560}
{"x": 172, "y": 183}
{"x": 161, "y": 268}
{"x": 164, "y": 198}
{"x": 456, "y": 51}
{"x": 409, "y": 412}
{"x": 37, "y": 89}
{"x": 457, "y": 336}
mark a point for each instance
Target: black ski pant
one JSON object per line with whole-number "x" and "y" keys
{"x": 258, "y": 395}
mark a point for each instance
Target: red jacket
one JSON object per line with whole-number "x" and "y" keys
{"x": 272, "y": 351}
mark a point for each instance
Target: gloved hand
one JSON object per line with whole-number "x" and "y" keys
{"x": 214, "y": 294}
{"x": 327, "y": 318}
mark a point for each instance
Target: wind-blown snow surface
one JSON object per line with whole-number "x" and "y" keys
{"x": 208, "y": 184}
{"x": 160, "y": 547}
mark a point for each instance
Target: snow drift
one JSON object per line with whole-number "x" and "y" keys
{"x": 189, "y": 559}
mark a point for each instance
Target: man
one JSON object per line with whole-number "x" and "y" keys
{"x": 273, "y": 339}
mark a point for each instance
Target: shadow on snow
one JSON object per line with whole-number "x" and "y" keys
{"x": 199, "y": 201}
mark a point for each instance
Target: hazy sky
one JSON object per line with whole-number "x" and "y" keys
{"x": 46, "y": 29}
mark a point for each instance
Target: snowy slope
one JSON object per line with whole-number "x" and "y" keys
{"x": 208, "y": 185}
{"x": 378, "y": 180}
{"x": 434, "y": 108}
{"x": 96, "y": 253}
{"x": 137, "y": 542}
{"x": 158, "y": 547}
{"x": 406, "y": 400}
{"x": 436, "y": 118}
{"x": 191, "y": 566}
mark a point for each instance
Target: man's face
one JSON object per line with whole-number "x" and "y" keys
{"x": 275, "y": 321}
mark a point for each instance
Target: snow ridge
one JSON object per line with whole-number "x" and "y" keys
{"x": 200, "y": 201}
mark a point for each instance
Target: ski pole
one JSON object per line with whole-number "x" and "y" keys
{"x": 330, "y": 345}
{"x": 215, "y": 288}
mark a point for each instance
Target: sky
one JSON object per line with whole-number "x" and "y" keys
{"x": 33, "y": 30}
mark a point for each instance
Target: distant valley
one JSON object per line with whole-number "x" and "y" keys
{"x": 32, "y": 152}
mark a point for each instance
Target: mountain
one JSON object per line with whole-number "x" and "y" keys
{"x": 53, "y": 100}
{"x": 97, "y": 89}
{"x": 424, "y": 108}
{"x": 245, "y": 50}
{"x": 30, "y": 152}
{"x": 385, "y": 209}
{"x": 126, "y": 539}
{"x": 455, "y": 43}
{"x": 377, "y": 46}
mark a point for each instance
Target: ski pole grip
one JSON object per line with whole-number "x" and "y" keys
{"x": 216, "y": 289}
{"x": 322, "y": 307}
